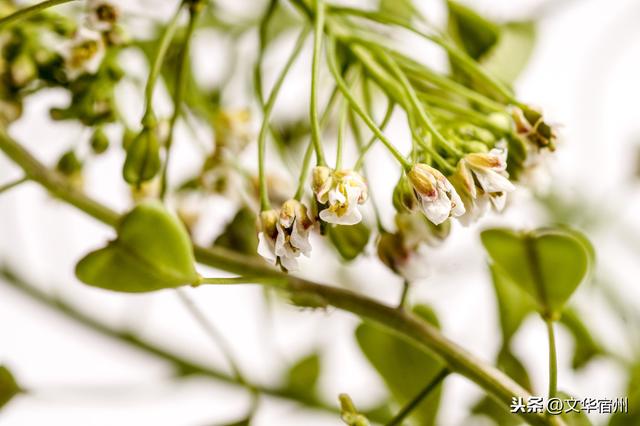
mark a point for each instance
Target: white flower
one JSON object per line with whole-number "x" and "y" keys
{"x": 84, "y": 54}
{"x": 101, "y": 15}
{"x": 284, "y": 235}
{"x": 233, "y": 130}
{"x": 342, "y": 190}
{"x": 438, "y": 198}
{"x": 488, "y": 172}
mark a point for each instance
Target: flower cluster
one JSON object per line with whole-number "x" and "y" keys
{"x": 283, "y": 235}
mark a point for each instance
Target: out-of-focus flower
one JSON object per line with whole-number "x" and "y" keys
{"x": 342, "y": 190}
{"x": 438, "y": 198}
{"x": 284, "y": 235}
{"x": 233, "y": 130}
{"x": 84, "y": 54}
{"x": 101, "y": 15}
{"x": 531, "y": 125}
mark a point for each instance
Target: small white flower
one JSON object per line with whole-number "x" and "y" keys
{"x": 342, "y": 190}
{"x": 283, "y": 236}
{"x": 438, "y": 198}
{"x": 84, "y": 54}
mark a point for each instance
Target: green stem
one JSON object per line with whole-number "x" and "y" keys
{"x": 405, "y": 292}
{"x": 10, "y": 185}
{"x": 421, "y": 396}
{"x": 363, "y": 152}
{"x": 30, "y": 11}
{"x": 156, "y": 67}
{"x": 182, "y": 366}
{"x": 342, "y": 124}
{"x": 262, "y": 136}
{"x": 553, "y": 360}
{"x": 422, "y": 334}
{"x": 306, "y": 162}
{"x": 318, "y": 32}
{"x": 331, "y": 59}
{"x": 183, "y": 61}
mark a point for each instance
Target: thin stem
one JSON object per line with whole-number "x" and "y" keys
{"x": 30, "y": 11}
{"x": 422, "y": 334}
{"x": 268, "y": 108}
{"x": 417, "y": 105}
{"x": 405, "y": 292}
{"x": 331, "y": 59}
{"x": 318, "y": 31}
{"x": 306, "y": 163}
{"x": 213, "y": 332}
{"x": 156, "y": 67}
{"x": 342, "y": 124}
{"x": 383, "y": 125}
{"x": 553, "y": 359}
{"x": 421, "y": 396}
{"x": 10, "y": 185}
{"x": 183, "y": 61}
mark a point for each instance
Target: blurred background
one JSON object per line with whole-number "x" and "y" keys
{"x": 583, "y": 72}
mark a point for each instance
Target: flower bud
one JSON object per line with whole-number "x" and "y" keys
{"x": 143, "y": 158}
{"x": 321, "y": 182}
{"x": 23, "y": 70}
{"x": 267, "y": 223}
{"x": 99, "y": 141}
{"x": 391, "y": 251}
{"x": 404, "y": 198}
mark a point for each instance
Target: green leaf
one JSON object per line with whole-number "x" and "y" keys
{"x": 510, "y": 55}
{"x": 475, "y": 34}
{"x": 152, "y": 252}
{"x": 302, "y": 378}
{"x": 8, "y": 386}
{"x": 586, "y": 348}
{"x": 513, "y": 304}
{"x": 239, "y": 234}
{"x": 403, "y": 10}
{"x": 572, "y": 418}
{"x": 351, "y": 240}
{"x": 405, "y": 369}
{"x": 143, "y": 158}
{"x": 548, "y": 264}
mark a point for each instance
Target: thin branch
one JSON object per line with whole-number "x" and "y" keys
{"x": 30, "y": 11}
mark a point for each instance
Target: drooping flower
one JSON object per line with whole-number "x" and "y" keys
{"x": 284, "y": 235}
{"x": 438, "y": 198}
{"x": 531, "y": 125}
{"x": 84, "y": 54}
{"x": 342, "y": 190}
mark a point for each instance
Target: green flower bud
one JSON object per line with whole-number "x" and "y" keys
{"x": 474, "y": 146}
{"x": 470, "y": 132}
{"x": 127, "y": 137}
{"x": 99, "y": 141}
{"x": 23, "y": 70}
{"x": 143, "y": 158}
{"x": 404, "y": 198}
{"x": 69, "y": 164}
{"x": 391, "y": 250}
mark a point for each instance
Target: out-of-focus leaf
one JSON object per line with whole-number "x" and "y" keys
{"x": 8, "y": 386}
{"x": 239, "y": 234}
{"x": 399, "y": 9}
{"x": 302, "y": 377}
{"x": 632, "y": 416}
{"x": 474, "y": 33}
{"x": 548, "y": 264}
{"x": 405, "y": 369}
{"x": 152, "y": 252}
{"x": 573, "y": 418}
{"x": 585, "y": 345}
{"x": 513, "y": 304}
{"x": 350, "y": 241}
{"x": 510, "y": 55}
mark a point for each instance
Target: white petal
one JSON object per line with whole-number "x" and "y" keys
{"x": 266, "y": 248}
{"x": 300, "y": 239}
{"x": 498, "y": 200}
{"x": 290, "y": 263}
{"x": 437, "y": 210}
{"x": 336, "y": 196}
{"x": 351, "y": 216}
{"x": 458, "y": 208}
{"x": 492, "y": 181}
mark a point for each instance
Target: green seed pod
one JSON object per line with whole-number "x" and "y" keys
{"x": 127, "y": 137}
{"x": 69, "y": 164}
{"x": 143, "y": 158}
{"x": 99, "y": 141}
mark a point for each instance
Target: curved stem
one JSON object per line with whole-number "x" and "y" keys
{"x": 399, "y": 418}
{"x": 342, "y": 124}
{"x": 316, "y": 135}
{"x": 406, "y": 324}
{"x": 183, "y": 64}
{"x": 156, "y": 67}
{"x": 268, "y": 108}
{"x": 356, "y": 106}
{"x": 363, "y": 152}
{"x": 10, "y": 185}
{"x": 29, "y": 11}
